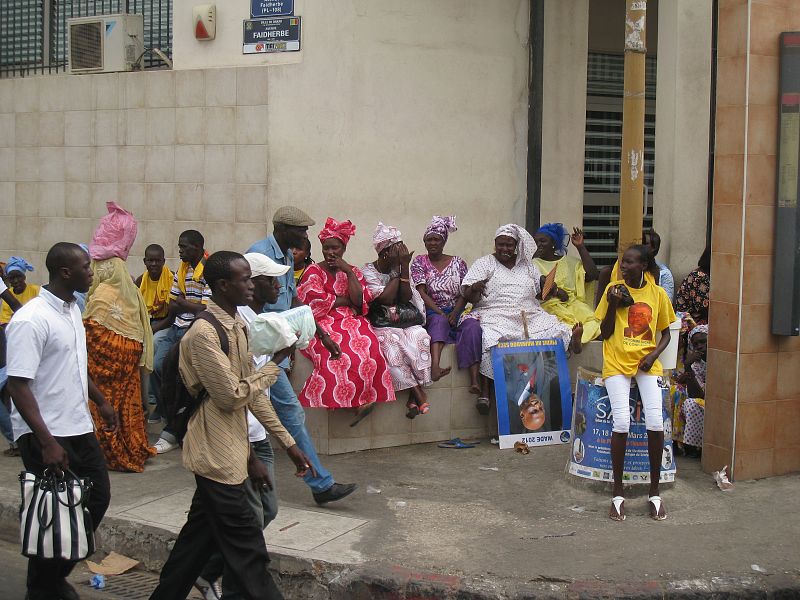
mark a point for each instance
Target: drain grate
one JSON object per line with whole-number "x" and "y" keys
{"x": 135, "y": 585}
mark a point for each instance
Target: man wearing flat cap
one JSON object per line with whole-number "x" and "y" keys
{"x": 290, "y": 230}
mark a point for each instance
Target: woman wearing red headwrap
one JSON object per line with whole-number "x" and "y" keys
{"x": 339, "y": 298}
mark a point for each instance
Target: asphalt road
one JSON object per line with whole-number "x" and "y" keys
{"x": 135, "y": 585}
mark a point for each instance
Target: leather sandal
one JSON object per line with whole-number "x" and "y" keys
{"x": 412, "y": 410}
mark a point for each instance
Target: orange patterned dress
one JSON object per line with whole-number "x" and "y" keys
{"x": 114, "y": 368}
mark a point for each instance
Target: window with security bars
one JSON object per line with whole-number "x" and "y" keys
{"x": 33, "y": 33}
{"x": 603, "y": 149}
{"x": 22, "y": 33}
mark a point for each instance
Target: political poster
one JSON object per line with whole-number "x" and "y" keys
{"x": 534, "y": 397}
{"x": 590, "y": 455}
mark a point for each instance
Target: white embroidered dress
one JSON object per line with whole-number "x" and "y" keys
{"x": 508, "y": 293}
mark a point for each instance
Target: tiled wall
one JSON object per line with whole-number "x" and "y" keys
{"x": 767, "y": 412}
{"x": 180, "y": 149}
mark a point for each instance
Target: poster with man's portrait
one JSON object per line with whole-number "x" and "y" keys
{"x": 640, "y": 315}
{"x": 534, "y": 399}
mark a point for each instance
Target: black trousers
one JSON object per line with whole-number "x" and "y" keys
{"x": 220, "y": 519}
{"x": 85, "y": 460}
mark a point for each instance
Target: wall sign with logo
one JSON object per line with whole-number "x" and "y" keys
{"x": 271, "y": 8}
{"x": 271, "y": 35}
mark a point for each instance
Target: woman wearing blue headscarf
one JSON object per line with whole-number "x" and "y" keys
{"x": 15, "y": 270}
{"x": 568, "y": 299}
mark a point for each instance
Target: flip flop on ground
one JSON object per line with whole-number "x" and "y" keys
{"x": 456, "y": 443}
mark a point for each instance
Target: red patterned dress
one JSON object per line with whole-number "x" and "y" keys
{"x": 360, "y": 376}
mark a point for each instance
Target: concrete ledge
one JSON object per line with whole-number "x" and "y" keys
{"x": 452, "y": 412}
{"x": 452, "y": 415}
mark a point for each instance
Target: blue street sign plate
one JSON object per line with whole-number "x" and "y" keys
{"x": 271, "y": 8}
{"x": 271, "y": 35}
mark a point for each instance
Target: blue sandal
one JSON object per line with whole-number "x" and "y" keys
{"x": 456, "y": 443}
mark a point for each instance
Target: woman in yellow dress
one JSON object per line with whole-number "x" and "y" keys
{"x": 19, "y": 288}
{"x": 568, "y": 300}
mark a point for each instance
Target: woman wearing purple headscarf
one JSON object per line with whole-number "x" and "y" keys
{"x": 437, "y": 277}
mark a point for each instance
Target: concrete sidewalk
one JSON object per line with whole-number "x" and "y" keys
{"x": 443, "y": 528}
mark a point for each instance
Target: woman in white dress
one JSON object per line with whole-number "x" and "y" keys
{"x": 500, "y": 287}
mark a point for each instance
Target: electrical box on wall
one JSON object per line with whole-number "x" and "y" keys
{"x": 786, "y": 276}
{"x": 205, "y": 21}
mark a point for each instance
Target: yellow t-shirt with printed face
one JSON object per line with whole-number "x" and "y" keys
{"x": 635, "y": 329}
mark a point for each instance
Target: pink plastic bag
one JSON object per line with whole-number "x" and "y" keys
{"x": 114, "y": 235}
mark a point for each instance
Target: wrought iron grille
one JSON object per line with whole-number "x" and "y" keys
{"x": 601, "y": 177}
{"x": 33, "y": 33}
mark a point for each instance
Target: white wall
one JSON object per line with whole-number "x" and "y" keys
{"x": 682, "y": 132}
{"x": 401, "y": 111}
{"x": 566, "y": 29}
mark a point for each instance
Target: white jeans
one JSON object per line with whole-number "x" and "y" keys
{"x": 619, "y": 391}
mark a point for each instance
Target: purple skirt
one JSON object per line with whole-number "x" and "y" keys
{"x": 466, "y": 337}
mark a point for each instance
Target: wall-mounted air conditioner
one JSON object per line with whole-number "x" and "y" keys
{"x": 105, "y": 43}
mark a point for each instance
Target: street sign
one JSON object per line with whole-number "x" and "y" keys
{"x": 271, "y": 35}
{"x": 271, "y": 8}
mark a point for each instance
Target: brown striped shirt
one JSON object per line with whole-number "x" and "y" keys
{"x": 216, "y": 445}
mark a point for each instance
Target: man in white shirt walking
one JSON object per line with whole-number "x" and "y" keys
{"x": 50, "y": 387}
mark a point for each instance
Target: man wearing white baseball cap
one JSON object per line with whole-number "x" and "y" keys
{"x": 265, "y": 274}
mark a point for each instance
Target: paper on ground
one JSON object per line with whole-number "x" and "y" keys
{"x": 113, "y": 564}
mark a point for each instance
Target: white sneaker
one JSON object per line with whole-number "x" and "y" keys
{"x": 210, "y": 591}
{"x": 163, "y": 446}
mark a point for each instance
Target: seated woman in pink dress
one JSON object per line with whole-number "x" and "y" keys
{"x": 339, "y": 299}
{"x": 437, "y": 277}
{"x": 407, "y": 348}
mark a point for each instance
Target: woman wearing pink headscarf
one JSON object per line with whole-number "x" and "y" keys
{"x": 406, "y": 348}
{"x": 339, "y": 299}
{"x": 119, "y": 341}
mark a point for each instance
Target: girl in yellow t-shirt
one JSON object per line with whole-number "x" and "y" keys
{"x": 632, "y": 311}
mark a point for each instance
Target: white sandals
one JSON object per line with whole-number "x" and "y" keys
{"x": 657, "y": 504}
{"x": 617, "y": 503}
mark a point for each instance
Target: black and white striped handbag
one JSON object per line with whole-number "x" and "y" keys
{"x": 54, "y": 520}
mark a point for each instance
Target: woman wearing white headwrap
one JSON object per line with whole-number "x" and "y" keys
{"x": 501, "y": 286}
{"x": 407, "y": 350}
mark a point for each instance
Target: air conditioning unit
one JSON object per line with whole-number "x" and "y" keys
{"x": 105, "y": 43}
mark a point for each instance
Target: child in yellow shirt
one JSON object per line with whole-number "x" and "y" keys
{"x": 155, "y": 282}
{"x": 17, "y": 285}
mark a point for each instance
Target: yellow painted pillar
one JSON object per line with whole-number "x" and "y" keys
{"x": 632, "y": 163}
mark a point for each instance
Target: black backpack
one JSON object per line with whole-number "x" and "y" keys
{"x": 179, "y": 404}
